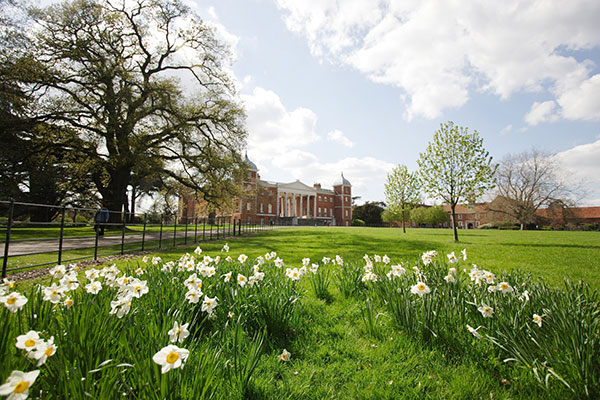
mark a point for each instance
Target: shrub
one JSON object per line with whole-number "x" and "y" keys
{"x": 81, "y": 219}
{"x": 358, "y": 222}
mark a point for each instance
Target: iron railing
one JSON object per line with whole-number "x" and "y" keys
{"x": 72, "y": 234}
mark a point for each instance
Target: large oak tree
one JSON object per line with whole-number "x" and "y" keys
{"x": 143, "y": 85}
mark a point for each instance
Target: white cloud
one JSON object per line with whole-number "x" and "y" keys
{"x": 541, "y": 112}
{"x": 437, "y": 52}
{"x": 279, "y": 143}
{"x": 273, "y": 130}
{"x": 339, "y": 137}
{"x": 582, "y": 164}
{"x": 507, "y": 129}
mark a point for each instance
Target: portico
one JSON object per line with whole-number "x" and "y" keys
{"x": 296, "y": 200}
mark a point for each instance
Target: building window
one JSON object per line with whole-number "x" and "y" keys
{"x": 247, "y": 206}
{"x": 262, "y": 208}
{"x": 477, "y": 224}
{"x": 319, "y": 212}
{"x": 331, "y": 212}
{"x": 346, "y": 213}
{"x": 460, "y": 224}
{"x": 270, "y": 208}
{"x": 459, "y": 216}
{"x": 319, "y": 197}
{"x": 347, "y": 199}
{"x": 249, "y": 174}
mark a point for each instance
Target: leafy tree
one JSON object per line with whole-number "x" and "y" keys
{"x": 528, "y": 181}
{"x": 111, "y": 70}
{"x": 394, "y": 214}
{"x": 436, "y": 215}
{"x": 402, "y": 191}
{"x": 419, "y": 215}
{"x": 370, "y": 212}
{"x": 455, "y": 167}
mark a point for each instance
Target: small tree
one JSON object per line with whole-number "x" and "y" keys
{"x": 370, "y": 212}
{"x": 419, "y": 215}
{"x": 402, "y": 191}
{"x": 394, "y": 214}
{"x": 456, "y": 167}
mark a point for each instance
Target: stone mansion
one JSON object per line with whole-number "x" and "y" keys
{"x": 293, "y": 203}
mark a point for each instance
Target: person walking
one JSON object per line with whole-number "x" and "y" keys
{"x": 101, "y": 218}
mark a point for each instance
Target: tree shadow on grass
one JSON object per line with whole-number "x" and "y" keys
{"x": 542, "y": 245}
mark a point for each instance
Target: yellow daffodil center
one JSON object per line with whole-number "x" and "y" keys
{"x": 54, "y": 293}
{"x": 11, "y": 300}
{"x": 69, "y": 302}
{"x": 49, "y": 351}
{"x": 138, "y": 288}
{"x": 125, "y": 280}
{"x": 172, "y": 357}
{"x": 21, "y": 387}
{"x": 284, "y": 356}
{"x": 421, "y": 287}
{"x": 11, "y": 285}
{"x": 200, "y": 285}
{"x": 29, "y": 343}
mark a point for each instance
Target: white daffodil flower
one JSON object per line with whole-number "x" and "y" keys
{"x": 170, "y": 357}
{"x": 13, "y": 301}
{"x": 17, "y": 384}
{"x": 179, "y": 332}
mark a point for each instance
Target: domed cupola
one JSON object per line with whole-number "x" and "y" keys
{"x": 342, "y": 181}
{"x": 251, "y": 165}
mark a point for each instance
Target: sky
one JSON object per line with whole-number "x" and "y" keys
{"x": 360, "y": 86}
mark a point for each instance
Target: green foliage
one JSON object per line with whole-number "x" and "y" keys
{"x": 319, "y": 280}
{"x": 429, "y": 215}
{"x": 455, "y": 167}
{"x": 358, "y": 222}
{"x": 370, "y": 213}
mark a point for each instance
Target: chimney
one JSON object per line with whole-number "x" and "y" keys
{"x": 317, "y": 186}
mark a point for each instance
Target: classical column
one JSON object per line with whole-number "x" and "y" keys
{"x": 277, "y": 204}
{"x": 295, "y": 205}
{"x": 301, "y": 211}
{"x": 315, "y": 210}
{"x": 285, "y": 207}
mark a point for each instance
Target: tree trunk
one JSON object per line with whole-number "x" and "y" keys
{"x": 453, "y": 207}
{"x": 403, "y": 226}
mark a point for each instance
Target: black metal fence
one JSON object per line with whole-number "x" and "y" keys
{"x": 69, "y": 234}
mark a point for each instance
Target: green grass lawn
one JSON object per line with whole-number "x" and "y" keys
{"x": 335, "y": 356}
{"x": 549, "y": 255}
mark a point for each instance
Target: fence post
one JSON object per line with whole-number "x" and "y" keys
{"x": 144, "y": 231}
{"x": 160, "y": 235}
{"x": 123, "y": 232}
{"x": 186, "y": 229}
{"x": 62, "y": 233}
{"x": 175, "y": 231}
{"x": 96, "y": 245}
{"x": 211, "y": 225}
{"x": 203, "y": 229}
{"x": 195, "y": 228}
{"x": 7, "y": 242}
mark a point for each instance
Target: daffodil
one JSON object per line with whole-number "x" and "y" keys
{"x": 58, "y": 272}
{"x": 29, "y": 341}
{"x": 93, "y": 287}
{"x": 473, "y": 331}
{"x": 339, "y": 260}
{"x": 452, "y": 258}
{"x": 179, "y": 332}
{"x": 193, "y": 296}
{"x": 68, "y": 302}
{"x": 242, "y": 280}
{"x": 314, "y": 268}
{"x": 450, "y": 278}
{"x": 326, "y": 260}
{"x": 386, "y": 260}
{"x": 242, "y": 258}
{"x": 305, "y": 261}
{"x": 198, "y": 250}
{"x": 537, "y": 319}
{"x": 486, "y": 311}
{"x": 226, "y": 277}
{"x": 170, "y": 357}
{"x": 285, "y": 356}
{"x": 93, "y": 274}
{"x": 504, "y": 287}
{"x": 225, "y": 248}
{"x": 377, "y": 258}
{"x": 53, "y": 293}
{"x": 13, "y": 301}
{"x": 43, "y": 351}
{"x": 279, "y": 262}
{"x": 420, "y": 288}
{"x": 17, "y": 384}
{"x": 209, "y": 304}
{"x": 138, "y": 288}
{"x": 463, "y": 253}
{"x": 69, "y": 281}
